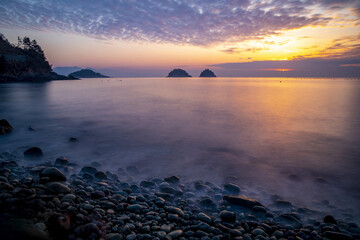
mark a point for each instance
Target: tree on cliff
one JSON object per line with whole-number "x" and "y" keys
{"x": 24, "y": 61}
{"x": 4, "y": 65}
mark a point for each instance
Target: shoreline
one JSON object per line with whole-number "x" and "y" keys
{"x": 59, "y": 200}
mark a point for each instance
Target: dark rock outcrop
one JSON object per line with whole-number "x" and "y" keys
{"x": 178, "y": 73}
{"x": 207, "y": 73}
{"x": 5, "y": 127}
{"x": 33, "y": 152}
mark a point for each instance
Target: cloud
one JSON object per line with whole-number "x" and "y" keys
{"x": 192, "y": 22}
{"x": 311, "y": 67}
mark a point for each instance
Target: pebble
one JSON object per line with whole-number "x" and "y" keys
{"x": 175, "y": 210}
{"x": 205, "y": 218}
{"x": 227, "y": 216}
{"x": 175, "y": 234}
{"x": 56, "y": 187}
{"x": 259, "y": 231}
{"x": 134, "y": 207}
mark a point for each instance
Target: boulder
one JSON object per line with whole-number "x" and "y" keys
{"x": 5, "y": 127}
{"x": 241, "y": 201}
{"x": 232, "y": 188}
{"x": 53, "y": 174}
{"x": 33, "y": 152}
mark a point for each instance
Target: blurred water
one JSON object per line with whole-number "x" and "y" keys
{"x": 298, "y": 138}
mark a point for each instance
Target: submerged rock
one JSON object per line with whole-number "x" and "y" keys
{"x": 61, "y": 161}
{"x": 33, "y": 152}
{"x": 242, "y": 201}
{"x": 5, "y": 127}
{"x": 207, "y": 73}
{"x": 73, "y": 139}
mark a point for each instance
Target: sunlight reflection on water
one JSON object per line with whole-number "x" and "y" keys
{"x": 298, "y": 138}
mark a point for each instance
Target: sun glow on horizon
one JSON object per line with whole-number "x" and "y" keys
{"x": 278, "y": 69}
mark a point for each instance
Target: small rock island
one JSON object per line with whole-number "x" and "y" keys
{"x": 207, "y": 73}
{"x": 178, "y": 73}
{"x": 87, "y": 73}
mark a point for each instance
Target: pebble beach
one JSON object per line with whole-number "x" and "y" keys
{"x": 62, "y": 200}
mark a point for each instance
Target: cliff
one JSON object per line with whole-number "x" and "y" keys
{"x": 25, "y": 61}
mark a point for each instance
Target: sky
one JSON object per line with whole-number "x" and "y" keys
{"x": 129, "y": 38}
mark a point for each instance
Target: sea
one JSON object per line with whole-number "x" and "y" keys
{"x": 298, "y": 138}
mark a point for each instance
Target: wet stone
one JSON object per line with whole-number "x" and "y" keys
{"x": 175, "y": 210}
{"x": 100, "y": 175}
{"x": 336, "y": 235}
{"x": 56, "y": 188}
{"x": 5, "y": 127}
{"x": 175, "y": 234}
{"x": 227, "y": 216}
{"x": 53, "y": 174}
{"x": 97, "y": 194}
{"x": 242, "y": 201}
{"x": 207, "y": 203}
{"x": 204, "y": 218}
{"x": 329, "y": 219}
{"x": 259, "y": 231}
{"x": 88, "y": 170}
{"x": 232, "y": 188}
{"x": 33, "y": 152}
{"x": 106, "y": 204}
{"x": 134, "y": 207}
{"x": 172, "y": 179}
{"x": 61, "y": 161}
{"x": 69, "y": 198}
{"x": 147, "y": 184}
{"x": 165, "y": 228}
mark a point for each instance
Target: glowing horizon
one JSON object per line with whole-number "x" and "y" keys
{"x": 181, "y": 33}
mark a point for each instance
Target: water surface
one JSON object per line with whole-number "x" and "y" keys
{"x": 298, "y": 138}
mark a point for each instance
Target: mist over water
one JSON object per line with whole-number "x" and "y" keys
{"x": 298, "y": 138}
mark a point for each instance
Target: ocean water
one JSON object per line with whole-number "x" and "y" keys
{"x": 298, "y": 138}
